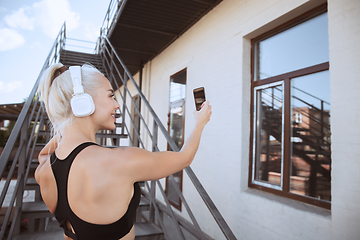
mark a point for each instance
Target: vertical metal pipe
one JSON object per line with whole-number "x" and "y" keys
{"x": 124, "y": 103}
{"x": 24, "y": 132}
{"x": 140, "y": 83}
{"x": 153, "y": 183}
{"x": 322, "y": 122}
{"x": 111, "y": 66}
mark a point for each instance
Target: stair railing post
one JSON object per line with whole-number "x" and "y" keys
{"x": 55, "y": 51}
{"x": 24, "y": 137}
{"x": 154, "y": 141}
{"x": 111, "y": 78}
{"x": 126, "y": 77}
{"x": 322, "y": 123}
{"x": 108, "y": 18}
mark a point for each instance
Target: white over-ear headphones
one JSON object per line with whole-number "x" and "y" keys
{"x": 82, "y": 104}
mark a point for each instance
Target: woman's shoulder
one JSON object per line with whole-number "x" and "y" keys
{"x": 98, "y": 158}
{"x": 39, "y": 172}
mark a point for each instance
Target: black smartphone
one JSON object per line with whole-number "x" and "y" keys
{"x": 199, "y": 97}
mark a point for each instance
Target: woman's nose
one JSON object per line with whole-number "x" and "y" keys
{"x": 117, "y": 106}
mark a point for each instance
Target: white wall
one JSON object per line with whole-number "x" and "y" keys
{"x": 216, "y": 53}
{"x": 344, "y": 38}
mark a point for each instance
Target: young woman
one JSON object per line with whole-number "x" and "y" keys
{"x": 93, "y": 190}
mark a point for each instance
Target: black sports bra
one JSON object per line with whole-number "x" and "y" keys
{"x": 85, "y": 230}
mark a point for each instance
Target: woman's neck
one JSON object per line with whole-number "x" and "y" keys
{"x": 80, "y": 131}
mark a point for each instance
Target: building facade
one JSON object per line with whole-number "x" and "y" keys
{"x": 280, "y": 155}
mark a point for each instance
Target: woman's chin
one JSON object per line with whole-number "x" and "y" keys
{"x": 113, "y": 127}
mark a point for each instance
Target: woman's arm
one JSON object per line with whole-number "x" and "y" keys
{"x": 44, "y": 155}
{"x": 142, "y": 165}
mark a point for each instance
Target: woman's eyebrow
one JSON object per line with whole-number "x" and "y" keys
{"x": 112, "y": 91}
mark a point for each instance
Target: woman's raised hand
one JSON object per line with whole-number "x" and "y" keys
{"x": 202, "y": 117}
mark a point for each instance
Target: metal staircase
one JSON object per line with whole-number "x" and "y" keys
{"x": 313, "y": 145}
{"x": 156, "y": 219}
{"x": 71, "y": 58}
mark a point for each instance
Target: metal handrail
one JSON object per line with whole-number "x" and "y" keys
{"x": 60, "y": 39}
{"x": 21, "y": 130}
{"x": 311, "y": 95}
{"x": 310, "y": 116}
{"x": 106, "y": 46}
{"x": 111, "y": 17}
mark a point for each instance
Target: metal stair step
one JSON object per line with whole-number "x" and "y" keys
{"x": 81, "y": 62}
{"x": 44, "y": 235}
{"x": 35, "y": 160}
{"x": 106, "y": 146}
{"x": 148, "y": 231}
{"x": 32, "y": 210}
{"x": 324, "y": 152}
{"x": 144, "y": 204}
{"x": 71, "y": 56}
{"x": 39, "y": 146}
{"x": 301, "y": 129}
{"x": 34, "y": 164}
{"x": 312, "y": 144}
{"x": 76, "y": 55}
{"x": 43, "y": 133}
{"x": 110, "y": 135}
{"x": 31, "y": 184}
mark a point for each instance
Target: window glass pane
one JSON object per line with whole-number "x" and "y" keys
{"x": 171, "y": 192}
{"x": 178, "y": 87}
{"x": 298, "y": 47}
{"x": 269, "y": 131}
{"x": 311, "y": 158}
{"x": 176, "y": 125}
{"x": 177, "y": 91}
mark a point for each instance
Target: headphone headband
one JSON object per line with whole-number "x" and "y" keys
{"x": 82, "y": 103}
{"x": 75, "y": 72}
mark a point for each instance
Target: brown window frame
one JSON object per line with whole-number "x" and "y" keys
{"x": 175, "y": 205}
{"x": 285, "y": 78}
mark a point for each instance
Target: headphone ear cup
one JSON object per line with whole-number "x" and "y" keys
{"x": 82, "y": 105}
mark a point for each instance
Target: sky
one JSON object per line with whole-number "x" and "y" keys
{"x": 28, "y": 29}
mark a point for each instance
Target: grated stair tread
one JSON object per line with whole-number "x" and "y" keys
{"x": 35, "y": 210}
{"x": 31, "y": 184}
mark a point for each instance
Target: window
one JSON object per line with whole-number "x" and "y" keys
{"x": 290, "y": 151}
{"x": 176, "y": 126}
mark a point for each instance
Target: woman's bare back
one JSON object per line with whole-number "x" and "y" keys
{"x": 94, "y": 194}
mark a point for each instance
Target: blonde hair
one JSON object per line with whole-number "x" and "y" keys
{"x": 56, "y": 92}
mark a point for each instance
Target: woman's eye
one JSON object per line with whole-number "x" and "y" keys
{"x": 112, "y": 95}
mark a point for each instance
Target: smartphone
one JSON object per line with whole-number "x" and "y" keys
{"x": 199, "y": 97}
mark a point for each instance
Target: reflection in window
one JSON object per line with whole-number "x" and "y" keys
{"x": 268, "y": 160}
{"x": 176, "y": 120}
{"x": 311, "y": 158}
{"x": 176, "y": 128}
{"x": 291, "y": 147}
